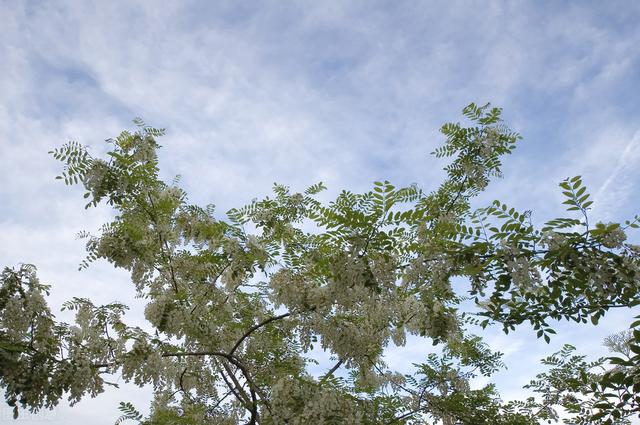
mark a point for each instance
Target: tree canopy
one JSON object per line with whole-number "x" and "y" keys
{"x": 237, "y": 304}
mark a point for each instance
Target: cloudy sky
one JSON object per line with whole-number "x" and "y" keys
{"x": 344, "y": 92}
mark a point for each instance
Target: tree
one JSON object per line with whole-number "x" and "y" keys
{"x": 236, "y": 305}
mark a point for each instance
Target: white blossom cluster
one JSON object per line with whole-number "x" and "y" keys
{"x": 523, "y": 274}
{"x": 614, "y": 238}
{"x": 553, "y": 240}
{"x": 300, "y": 402}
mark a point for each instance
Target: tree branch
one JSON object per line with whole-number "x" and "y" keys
{"x": 331, "y": 371}
{"x": 253, "y": 388}
{"x": 255, "y": 328}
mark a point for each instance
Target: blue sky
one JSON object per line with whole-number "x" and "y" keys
{"x": 346, "y": 93}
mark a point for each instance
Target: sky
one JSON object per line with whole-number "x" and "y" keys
{"x": 344, "y": 92}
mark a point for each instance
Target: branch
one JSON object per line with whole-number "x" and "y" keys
{"x": 410, "y": 413}
{"x": 255, "y": 328}
{"x": 223, "y": 398}
{"x": 253, "y": 388}
{"x": 403, "y": 416}
{"x": 181, "y": 383}
{"x": 240, "y": 396}
{"x": 163, "y": 244}
{"x": 215, "y": 279}
{"x": 252, "y": 405}
{"x": 460, "y": 190}
{"x": 331, "y": 371}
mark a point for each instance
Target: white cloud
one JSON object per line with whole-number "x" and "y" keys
{"x": 621, "y": 182}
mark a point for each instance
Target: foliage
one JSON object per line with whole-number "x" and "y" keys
{"x": 238, "y": 304}
{"x": 618, "y": 390}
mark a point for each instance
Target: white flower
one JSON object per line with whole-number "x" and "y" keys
{"x": 614, "y": 238}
